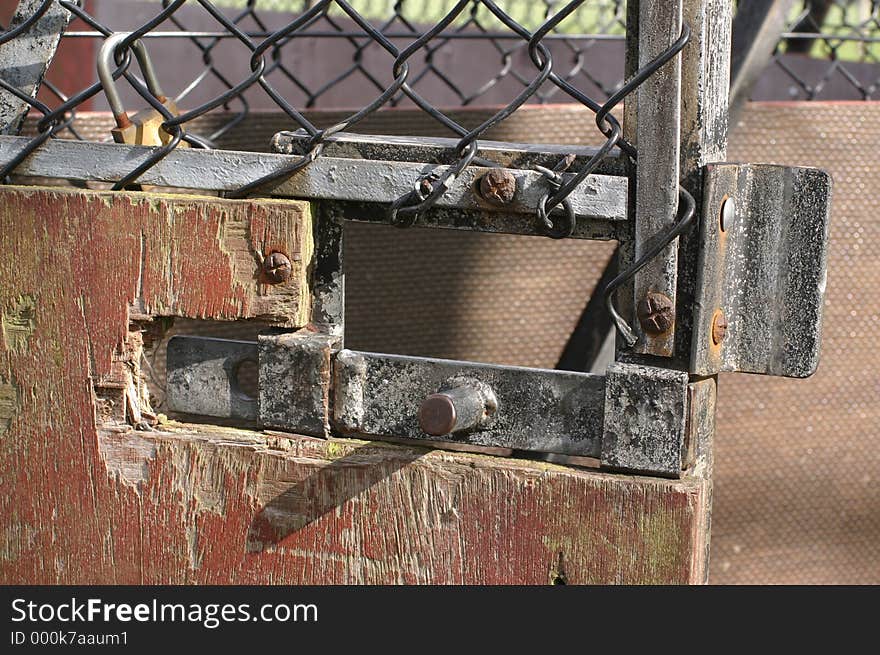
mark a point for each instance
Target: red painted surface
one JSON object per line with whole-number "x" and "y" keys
{"x": 88, "y": 503}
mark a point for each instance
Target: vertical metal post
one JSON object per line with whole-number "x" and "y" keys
{"x": 653, "y": 125}
{"x": 756, "y": 32}
{"x": 705, "y": 87}
{"x": 328, "y": 277}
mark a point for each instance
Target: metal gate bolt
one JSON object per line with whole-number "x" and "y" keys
{"x": 498, "y": 186}
{"x": 457, "y": 409}
{"x": 719, "y": 327}
{"x": 277, "y": 268}
{"x": 656, "y": 313}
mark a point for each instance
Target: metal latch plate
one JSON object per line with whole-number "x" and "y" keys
{"x": 761, "y": 270}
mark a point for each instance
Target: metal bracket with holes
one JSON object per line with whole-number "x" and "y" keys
{"x": 761, "y": 270}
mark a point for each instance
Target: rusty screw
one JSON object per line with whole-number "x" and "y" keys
{"x": 656, "y": 313}
{"x": 276, "y": 267}
{"x": 498, "y": 186}
{"x": 719, "y": 327}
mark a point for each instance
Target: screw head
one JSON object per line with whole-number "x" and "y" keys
{"x": 656, "y": 313}
{"x": 498, "y": 186}
{"x": 728, "y": 214}
{"x": 719, "y": 327}
{"x": 437, "y": 415}
{"x": 276, "y": 268}
{"x": 426, "y": 187}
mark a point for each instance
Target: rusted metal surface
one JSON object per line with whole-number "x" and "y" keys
{"x": 719, "y": 327}
{"x": 277, "y": 267}
{"x": 498, "y": 187}
{"x": 463, "y": 404}
{"x": 644, "y": 423}
{"x": 764, "y": 276}
{"x": 656, "y": 313}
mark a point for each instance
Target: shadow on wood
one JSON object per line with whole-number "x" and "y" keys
{"x": 325, "y": 491}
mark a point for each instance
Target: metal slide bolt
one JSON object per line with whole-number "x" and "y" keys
{"x": 498, "y": 186}
{"x": 457, "y": 409}
{"x": 656, "y": 313}
{"x": 277, "y": 268}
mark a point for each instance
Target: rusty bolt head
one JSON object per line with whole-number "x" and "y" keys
{"x": 277, "y": 268}
{"x": 719, "y": 327}
{"x": 656, "y": 313}
{"x": 498, "y": 186}
{"x": 437, "y": 415}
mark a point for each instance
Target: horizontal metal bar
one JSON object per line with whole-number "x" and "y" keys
{"x": 851, "y": 36}
{"x": 442, "y": 150}
{"x": 202, "y": 377}
{"x": 633, "y": 419}
{"x": 362, "y": 180}
{"x": 599, "y": 197}
{"x": 500, "y": 36}
{"x": 538, "y": 410}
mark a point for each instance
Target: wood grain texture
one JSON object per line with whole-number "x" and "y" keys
{"x": 168, "y": 255}
{"x": 84, "y": 498}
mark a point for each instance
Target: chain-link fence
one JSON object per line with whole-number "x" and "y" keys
{"x": 292, "y": 59}
{"x": 830, "y": 50}
{"x": 229, "y": 58}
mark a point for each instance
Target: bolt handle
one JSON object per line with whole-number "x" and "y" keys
{"x": 456, "y": 409}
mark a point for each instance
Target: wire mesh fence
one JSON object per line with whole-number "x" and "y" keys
{"x": 229, "y": 58}
{"x": 538, "y": 31}
{"x": 829, "y": 51}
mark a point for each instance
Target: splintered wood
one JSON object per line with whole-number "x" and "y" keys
{"x": 87, "y": 498}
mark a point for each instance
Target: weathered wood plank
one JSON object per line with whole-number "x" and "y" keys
{"x": 196, "y": 506}
{"x": 88, "y": 499}
{"x": 168, "y": 254}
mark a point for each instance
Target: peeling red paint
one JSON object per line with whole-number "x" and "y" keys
{"x": 87, "y": 505}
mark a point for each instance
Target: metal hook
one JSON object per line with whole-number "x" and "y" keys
{"x": 106, "y": 63}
